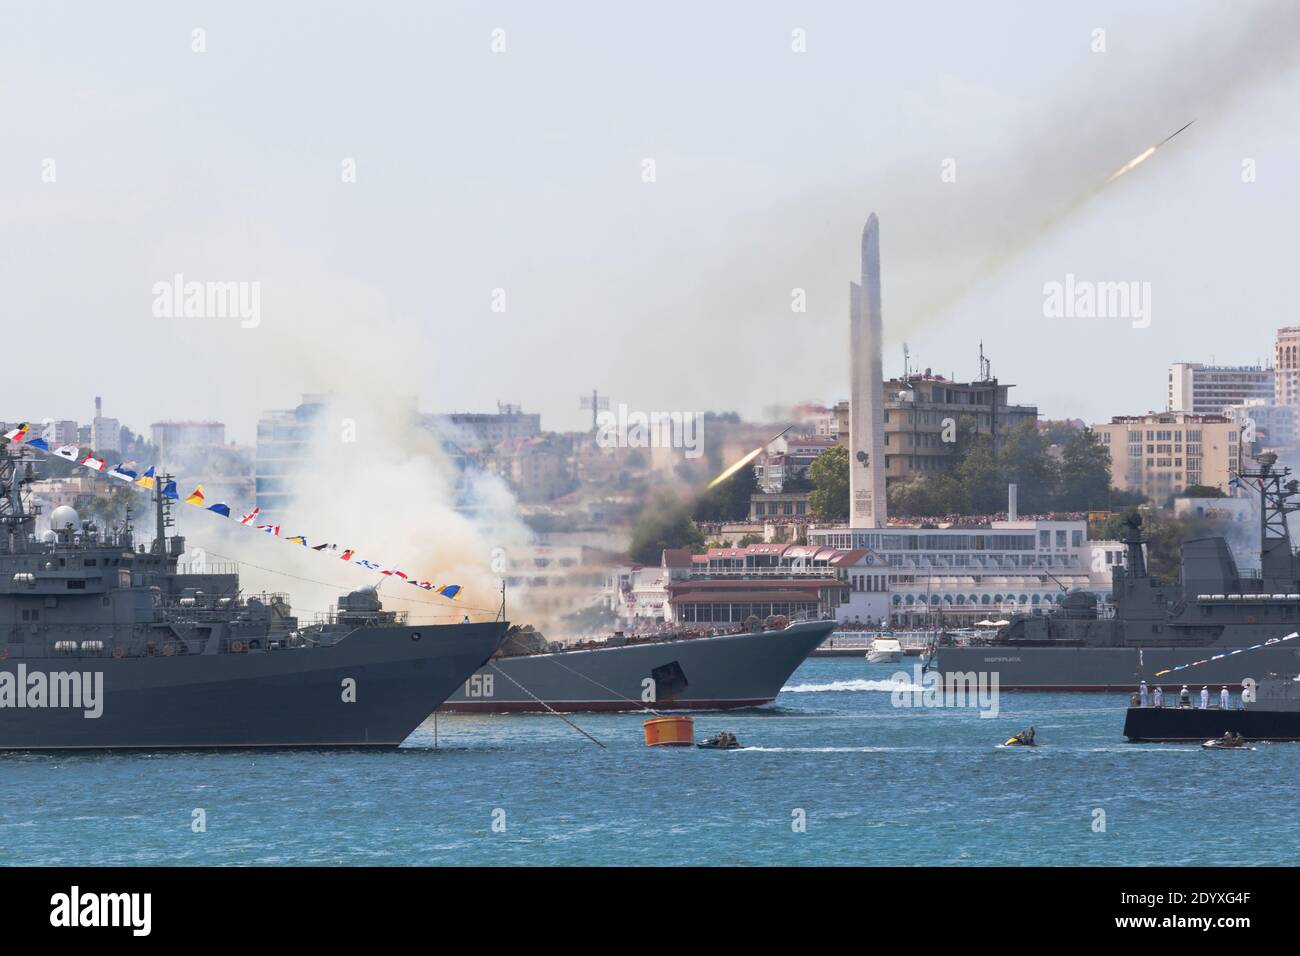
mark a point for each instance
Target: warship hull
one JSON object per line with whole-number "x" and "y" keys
{"x": 722, "y": 672}
{"x": 285, "y": 697}
{"x": 1181, "y": 725}
{"x": 1112, "y": 668}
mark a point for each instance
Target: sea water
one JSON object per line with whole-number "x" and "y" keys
{"x": 833, "y": 774}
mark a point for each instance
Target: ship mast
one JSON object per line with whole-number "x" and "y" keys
{"x": 1277, "y": 560}
{"x": 17, "y": 522}
{"x": 162, "y": 514}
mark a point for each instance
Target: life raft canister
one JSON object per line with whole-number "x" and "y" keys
{"x": 119, "y": 651}
{"x": 237, "y": 647}
{"x": 169, "y": 650}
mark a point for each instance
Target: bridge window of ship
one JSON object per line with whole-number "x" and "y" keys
{"x": 77, "y": 585}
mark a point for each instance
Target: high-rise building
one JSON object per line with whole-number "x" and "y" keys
{"x": 283, "y": 447}
{"x": 486, "y": 428}
{"x": 1286, "y": 362}
{"x": 173, "y": 437}
{"x": 1209, "y": 389}
{"x": 921, "y": 407}
{"x": 1162, "y": 453}
{"x": 62, "y": 432}
{"x": 105, "y": 433}
{"x": 1267, "y": 425}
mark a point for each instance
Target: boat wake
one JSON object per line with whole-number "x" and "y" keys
{"x": 886, "y": 686}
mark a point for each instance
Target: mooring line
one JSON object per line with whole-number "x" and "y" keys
{"x": 493, "y": 665}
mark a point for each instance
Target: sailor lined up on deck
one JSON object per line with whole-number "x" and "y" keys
{"x": 1158, "y": 698}
{"x": 1185, "y": 698}
{"x": 1205, "y": 698}
{"x": 1225, "y": 699}
{"x": 1142, "y": 694}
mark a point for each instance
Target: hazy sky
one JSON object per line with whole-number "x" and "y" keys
{"x": 523, "y": 170}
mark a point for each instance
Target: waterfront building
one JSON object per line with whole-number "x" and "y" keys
{"x": 789, "y": 507}
{"x": 1286, "y": 366}
{"x": 487, "y": 429}
{"x": 789, "y": 459}
{"x": 918, "y": 408}
{"x": 1209, "y": 389}
{"x": 284, "y": 441}
{"x": 176, "y": 437}
{"x": 1161, "y": 453}
{"x": 105, "y": 433}
{"x": 966, "y": 572}
{"x": 1266, "y": 425}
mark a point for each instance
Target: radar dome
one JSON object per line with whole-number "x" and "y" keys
{"x": 62, "y": 516}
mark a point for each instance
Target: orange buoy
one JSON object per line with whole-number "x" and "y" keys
{"x": 670, "y": 732}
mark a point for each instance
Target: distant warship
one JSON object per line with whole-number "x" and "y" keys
{"x": 671, "y": 672}
{"x": 105, "y": 643}
{"x": 1213, "y": 609}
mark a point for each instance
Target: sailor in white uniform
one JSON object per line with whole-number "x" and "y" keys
{"x": 1158, "y": 697}
{"x": 1205, "y": 698}
{"x": 1225, "y": 699}
{"x": 1142, "y": 694}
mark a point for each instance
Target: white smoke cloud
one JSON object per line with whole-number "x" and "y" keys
{"x": 374, "y": 479}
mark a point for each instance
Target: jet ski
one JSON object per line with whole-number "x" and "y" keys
{"x": 722, "y": 741}
{"x": 1228, "y": 741}
{"x": 1023, "y": 739}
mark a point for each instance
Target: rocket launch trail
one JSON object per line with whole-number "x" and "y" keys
{"x": 1172, "y": 135}
{"x": 1143, "y": 156}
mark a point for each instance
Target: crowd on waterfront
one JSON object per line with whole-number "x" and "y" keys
{"x": 979, "y": 521}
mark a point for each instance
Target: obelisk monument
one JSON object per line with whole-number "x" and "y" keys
{"x": 867, "y": 507}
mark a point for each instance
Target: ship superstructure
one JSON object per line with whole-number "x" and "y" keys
{"x": 1214, "y": 607}
{"x": 106, "y": 641}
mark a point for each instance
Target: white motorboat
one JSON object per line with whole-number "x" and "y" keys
{"x": 885, "y": 650}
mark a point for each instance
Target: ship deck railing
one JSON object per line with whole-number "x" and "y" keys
{"x": 1195, "y": 705}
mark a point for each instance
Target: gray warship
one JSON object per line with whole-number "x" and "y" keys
{"x": 1272, "y": 714}
{"x": 713, "y": 672}
{"x": 1213, "y": 609}
{"x": 107, "y": 643}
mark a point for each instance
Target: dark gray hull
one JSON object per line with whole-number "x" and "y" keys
{"x": 288, "y": 697}
{"x": 1112, "y": 668}
{"x": 728, "y": 671}
{"x": 1172, "y": 725}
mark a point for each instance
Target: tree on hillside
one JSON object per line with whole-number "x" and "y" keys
{"x": 829, "y": 473}
{"x": 1085, "y": 473}
{"x": 1027, "y": 465}
{"x": 980, "y": 480}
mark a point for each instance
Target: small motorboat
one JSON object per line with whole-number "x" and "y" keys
{"x": 723, "y": 741}
{"x": 885, "y": 650}
{"x": 1228, "y": 741}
